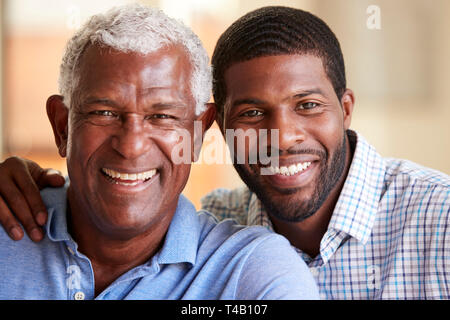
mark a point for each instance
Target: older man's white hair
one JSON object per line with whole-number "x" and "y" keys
{"x": 141, "y": 29}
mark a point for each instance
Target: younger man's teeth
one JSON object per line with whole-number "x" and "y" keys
{"x": 291, "y": 170}
{"x": 129, "y": 176}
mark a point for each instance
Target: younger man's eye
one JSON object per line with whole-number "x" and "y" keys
{"x": 307, "y": 105}
{"x": 251, "y": 113}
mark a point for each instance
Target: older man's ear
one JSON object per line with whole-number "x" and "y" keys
{"x": 207, "y": 118}
{"x": 58, "y": 114}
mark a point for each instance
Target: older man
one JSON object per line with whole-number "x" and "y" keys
{"x": 368, "y": 227}
{"x": 132, "y": 82}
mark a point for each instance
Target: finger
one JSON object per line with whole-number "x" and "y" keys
{"x": 17, "y": 204}
{"x": 51, "y": 177}
{"x": 9, "y": 223}
{"x": 43, "y": 177}
{"x": 30, "y": 191}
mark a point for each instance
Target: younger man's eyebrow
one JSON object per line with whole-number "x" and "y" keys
{"x": 305, "y": 93}
{"x": 254, "y": 101}
{"x": 247, "y": 101}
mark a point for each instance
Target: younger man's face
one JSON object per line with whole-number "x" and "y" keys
{"x": 293, "y": 94}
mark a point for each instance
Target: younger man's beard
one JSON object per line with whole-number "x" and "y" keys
{"x": 283, "y": 205}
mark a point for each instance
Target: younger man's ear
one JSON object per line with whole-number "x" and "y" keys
{"x": 206, "y": 118}
{"x": 347, "y": 103}
{"x": 58, "y": 114}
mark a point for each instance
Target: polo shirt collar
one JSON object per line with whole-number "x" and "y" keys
{"x": 182, "y": 238}
{"x": 55, "y": 199}
{"x": 181, "y": 241}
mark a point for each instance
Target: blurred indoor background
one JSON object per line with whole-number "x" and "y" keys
{"x": 397, "y": 56}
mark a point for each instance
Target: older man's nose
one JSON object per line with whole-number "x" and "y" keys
{"x": 131, "y": 141}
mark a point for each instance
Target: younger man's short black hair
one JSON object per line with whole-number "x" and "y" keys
{"x": 276, "y": 30}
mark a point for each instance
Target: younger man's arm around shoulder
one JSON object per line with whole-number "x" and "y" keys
{"x": 274, "y": 271}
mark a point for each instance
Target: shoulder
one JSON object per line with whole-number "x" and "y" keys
{"x": 55, "y": 201}
{"x": 264, "y": 264}
{"x": 410, "y": 181}
{"x": 230, "y": 199}
{"x": 226, "y": 203}
{"x": 20, "y": 257}
{"x": 226, "y": 230}
{"x": 52, "y": 197}
{"x": 410, "y": 172}
{"x": 274, "y": 270}
{"x": 416, "y": 195}
{"x": 229, "y": 238}
{"x": 55, "y": 197}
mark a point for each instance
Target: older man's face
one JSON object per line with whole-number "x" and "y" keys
{"x": 126, "y": 118}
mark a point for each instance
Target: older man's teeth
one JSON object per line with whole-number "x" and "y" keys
{"x": 130, "y": 176}
{"x": 291, "y": 170}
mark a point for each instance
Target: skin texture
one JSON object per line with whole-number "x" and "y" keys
{"x": 127, "y": 115}
{"x": 293, "y": 94}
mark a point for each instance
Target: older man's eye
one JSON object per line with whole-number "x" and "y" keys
{"x": 102, "y": 117}
{"x": 104, "y": 113}
{"x": 160, "y": 116}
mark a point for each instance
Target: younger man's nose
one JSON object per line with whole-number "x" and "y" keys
{"x": 290, "y": 131}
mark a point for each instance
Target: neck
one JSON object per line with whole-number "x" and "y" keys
{"x": 307, "y": 234}
{"x": 112, "y": 256}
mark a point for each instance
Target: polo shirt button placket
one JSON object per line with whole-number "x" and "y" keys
{"x": 70, "y": 250}
{"x": 79, "y": 295}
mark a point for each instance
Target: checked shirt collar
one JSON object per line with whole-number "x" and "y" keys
{"x": 356, "y": 208}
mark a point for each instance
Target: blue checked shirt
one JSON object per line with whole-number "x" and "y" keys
{"x": 389, "y": 235}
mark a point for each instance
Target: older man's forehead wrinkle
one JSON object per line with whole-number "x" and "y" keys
{"x": 114, "y": 95}
{"x": 163, "y": 98}
{"x": 170, "y": 93}
{"x": 101, "y": 101}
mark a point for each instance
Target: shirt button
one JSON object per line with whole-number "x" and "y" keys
{"x": 79, "y": 295}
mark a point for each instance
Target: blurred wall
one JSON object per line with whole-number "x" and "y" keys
{"x": 398, "y": 67}
{"x": 400, "y": 75}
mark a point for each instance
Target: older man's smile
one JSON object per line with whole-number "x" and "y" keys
{"x": 128, "y": 178}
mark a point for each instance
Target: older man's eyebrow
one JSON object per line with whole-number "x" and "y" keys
{"x": 101, "y": 101}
